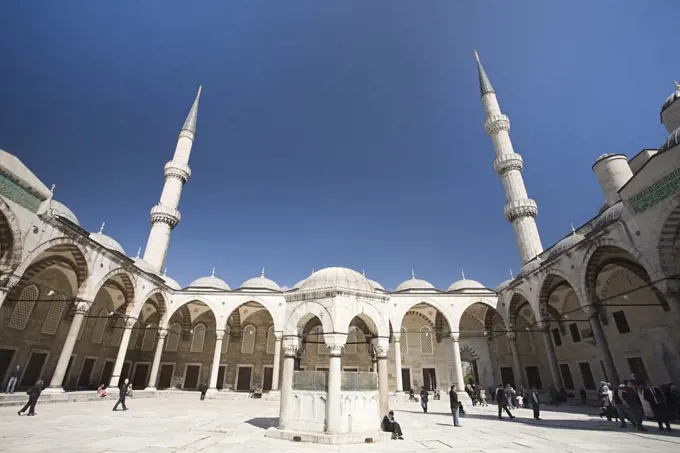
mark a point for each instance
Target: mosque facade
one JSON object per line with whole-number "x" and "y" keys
{"x": 603, "y": 302}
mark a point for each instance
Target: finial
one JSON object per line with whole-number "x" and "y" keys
{"x": 573, "y": 230}
{"x": 190, "y": 122}
{"x": 363, "y": 272}
{"x": 484, "y": 82}
{"x": 262, "y": 275}
{"x": 212, "y": 274}
{"x": 312, "y": 270}
{"x": 677, "y": 85}
{"x": 139, "y": 252}
{"x": 101, "y": 228}
{"x": 413, "y": 274}
{"x": 477, "y": 56}
{"x": 54, "y": 185}
{"x": 165, "y": 272}
{"x": 462, "y": 274}
{"x": 512, "y": 277}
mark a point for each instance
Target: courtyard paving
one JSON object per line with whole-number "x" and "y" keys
{"x": 163, "y": 425}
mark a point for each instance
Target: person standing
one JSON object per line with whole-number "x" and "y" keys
{"x": 535, "y": 403}
{"x": 501, "y": 400}
{"x": 455, "y": 405}
{"x": 584, "y": 396}
{"x": 122, "y": 393}
{"x": 204, "y": 390}
{"x": 33, "y": 395}
{"x": 632, "y": 400}
{"x": 13, "y": 379}
{"x": 424, "y": 396}
{"x": 656, "y": 398}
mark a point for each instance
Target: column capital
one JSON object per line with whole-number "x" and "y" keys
{"x": 219, "y": 334}
{"x": 455, "y": 336}
{"x": 396, "y": 337}
{"x": 130, "y": 323}
{"x": 381, "y": 351}
{"x": 290, "y": 346}
{"x": 162, "y": 333}
{"x": 278, "y": 336}
{"x": 83, "y": 306}
{"x": 335, "y": 342}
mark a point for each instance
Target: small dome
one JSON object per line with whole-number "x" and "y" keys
{"x": 530, "y": 267}
{"x": 299, "y": 284}
{"x": 671, "y": 99}
{"x": 504, "y": 284}
{"x": 465, "y": 284}
{"x": 566, "y": 244}
{"x": 171, "y": 282}
{"x": 107, "y": 241}
{"x": 609, "y": 215}
{"x": 415, "y": 284}
{"x": 144, "y": 265}
{"x": 337, "y": 277}
{"x": 604, "y": 156}
{"x": 211, "y": 282}
{"x": 260, "y": 283}
{"x": 60, "y": 209}
{"x": 376, "y": 285}
{"x": 672, "y": 141}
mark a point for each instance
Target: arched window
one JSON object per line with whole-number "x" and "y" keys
{"x": 133, "y": 336}
{"x": 198, "y": 338}
{"x": 225, "y": 341}
{"x": 403, "y": 345}
{"x": 426, "y": 340}
{"x": 174, "y": 335}
{"x": 54, "y": 314}
{"x": 248, "y": 345}
{"x": 100, "y": 327}
{"x": 321, "y": 341}
{"x": 118, "y": 330}
{"x": 24, "y": 308}
{"x": 271, "y": 340}
{"x": 351, "y": 345}
{"x": 83, "y": 324}
{"x": 149, "y": 337}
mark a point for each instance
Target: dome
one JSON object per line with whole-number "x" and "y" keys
{"x": 337, "y": 277}
{"x": 609, "y": 215}
{"x": 171, "y": 282}
{"x": 261, "y": 282}
{"x": 504, "y": 284}
{"x": 376, "y": 285}
{"x": 144, "y": 265}
{"x": 465, "y": 284}
{"x": 672, "y": 141}
{"x": 672, "y": 98}
{"x": 61, "y": 210}
{"x": 414, "y": 284}
{"x": 530, "y": 267}
{"x": 107, "y": 241}
{"x": 566, "y": 243}
{"x": 299, "y": 284}
{"x": 211, "y": 282}
{"x": 604, "y": 156}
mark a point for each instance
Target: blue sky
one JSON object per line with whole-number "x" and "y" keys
{"x": 331, "y": 133}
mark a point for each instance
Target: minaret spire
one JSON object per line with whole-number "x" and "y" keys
{"x": 165, "y": 216}
{"x": 520, "y": 210}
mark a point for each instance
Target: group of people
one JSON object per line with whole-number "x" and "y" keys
{"x": 477, "y": 394}
{"x": 634, "y": 401}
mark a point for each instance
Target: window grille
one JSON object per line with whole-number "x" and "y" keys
{"x": 351, "y": 345}
{"x": 149, "y": 337}
{"x": 404, "y": 342}
{"x": 271, "y": 340}
{"x": 248, "y": 345}
{"x": 24, "y": 308}
{"x": 100, "y": 327}
{"x": 54, "y": 314}
{"x": 426, "y": 340}
{"x": 174, "y": 335}
{"x": 198, "y": 338}
{"x": 321, "y": 347}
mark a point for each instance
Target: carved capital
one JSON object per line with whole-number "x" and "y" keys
{"x": 335, "y": 342}
{"x": 520, "y": 208}
{"x": 497, "y": 123}
{"x": 162, "y": 334}
{"x": 396, "y": 337}
{"x": 335, "y": 349}
{"x": 219, "y": 334}
{"x": 380, "y": 351}
{"x": 506, "y": 162}
{"x": 455, "y": 336}
{"x": 83, "y": 307}
{"x": 290, "y": 347}
{"x": 278, "y": 336}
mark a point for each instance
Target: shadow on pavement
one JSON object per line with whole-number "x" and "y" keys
{"x": 263, "y": 422}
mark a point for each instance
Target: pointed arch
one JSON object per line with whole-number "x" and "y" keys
{"x": 127, "y": 286}
{"x": 249, "y": 337}
{"x": 24, "y": 307}
{"x": 54, "y": 315}
{"x": 174, "y": 337}
{"x": 100, "y": 326}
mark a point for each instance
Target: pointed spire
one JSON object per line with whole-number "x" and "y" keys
{"x": 212, "y": 274}
{"x": 413, "y": 274}
{"x": 139, "y": 252}
{"x": 54, "y": 186}
{"x": 190, "y": 123}
{"x": 484, "y": 82}
{"x": 363, "y": 272}
{"x": 262, "y": 275}
{"x": 573, "y": 230}
{"x": 512, "y": 277}
{"x": 462, "y": 274}
{"x": 101, "y": 228}
{"x": 677, "y": 85}
{"x": 165, "y": 272}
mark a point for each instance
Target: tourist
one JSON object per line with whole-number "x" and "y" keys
{"x": 646, "y": 407}
{"x": 657, "y": 399}
{"x": 424, "y": 396}
{"x": 607, "y": 398}
{"x": 412, "y": 396}
{"x": 620, "y": 406}
{"x": 436, "y": 396}
{"x": 583, "y": 395}
{"x": 482, "y": 397}
{"x": 510, "y": 397}
{"x": 502, "y": 403}
{"x": 390, "y": 425}
{"x": 13, "y": 379}
{"x": 101, "y": 391}
{"x": 673, "y": 401}
{"x": 535, "y": 403}
{"x": 492, "y": 393}
{"x": 33, "y": 395}
{"x": 455, "y": 405}
{"x": 631, "y": 398}
{"x": 204, "y": 389}
{"x": 122, "y": 393}
{"x": 520, "y": 400}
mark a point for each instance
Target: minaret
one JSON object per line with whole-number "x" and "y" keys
{"x": 165, "y": 216}
{"x": 520, "y": 210}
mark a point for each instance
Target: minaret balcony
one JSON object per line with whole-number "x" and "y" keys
{"x": 520, "y": 208}
{"x": 177, "y": 170}
{"x": 506, "y": 162}
{"x": 497, "y": 123}
{"x": 165, "y": 214}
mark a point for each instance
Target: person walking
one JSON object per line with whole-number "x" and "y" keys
{"x": 535, "y": 403}
{"x": 424, "y": 396}
{"x": 620, "y": 406}
{"x": 455, "y": 405}
{"x": 204, "y": 390}
{"x": 122, "y": 393}
{"x": 33, "y": 395}
{"x": 657, "y": 399}
{"x": 13, "y": 379}
{"x": 502, "y": 403}
{"x": 632, "y": 400}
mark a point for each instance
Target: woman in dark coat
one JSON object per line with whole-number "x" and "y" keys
{"x": 33, "y": 395}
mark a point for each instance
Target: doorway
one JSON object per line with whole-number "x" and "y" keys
{"x": 429, "y": 379}
{"x": 6, "y": 356}
{"x": 267, "y": 378}
{"x": 507, "y": 376}
{"x": 193, "y": 372}
{"x": 406, "y": 379}
{"x": 86, "y": 372}
{"x": 34, "y": 368}
{"x": 107, "y": 372}
{"x": 534, "y": 377}
{"x": 140, "y": 375}
{"x": 243, "y": 378}
{"x": 165, "y": 379}
{"x": 220, "y": 376}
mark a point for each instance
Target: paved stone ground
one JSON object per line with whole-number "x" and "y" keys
{"x": 163, "y": 425}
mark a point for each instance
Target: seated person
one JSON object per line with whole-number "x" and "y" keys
{"x": 390, "y": 425}
{"x": 101, "y": 390}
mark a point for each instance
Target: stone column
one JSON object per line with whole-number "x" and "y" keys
{"x": 396, "y": 337}
{"x": 552, "y": 357}
{"x": 457, "y": 363}
{"x": 603, "y": 346}
{"x": 162, "y": 333}
{"x": 122, "y": 350}
{"x": 58, "y": 377}
{"x": 516, "y": 363}
{"x": 381, "y": 351}
{"x": 290, "y": 350}
{"x": 333, "y": 398}
{"x": 217, "y": 355}
{"x": 277, "y": 360}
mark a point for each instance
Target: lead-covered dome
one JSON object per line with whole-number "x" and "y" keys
{"x": 261, "y": 283}
{"x": 672, "y": 141}
{"x": 672, "y": 98}
{"x": 566, "y": 243}
{"x": 415, "y": 284}
{"x": 144, "y": 265}
{"x": 106, "y": 241}
{"x": 376, "y": 285}
{"x": 209, "y": 283}
{"x": 336, "y": 277}
{"x": 60, "y": 209}
{"x": 465, "y": 284}
{"x": 530, "y": 267}
{"x": 504, "y": 284}
{"x": 171, "y": 282}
